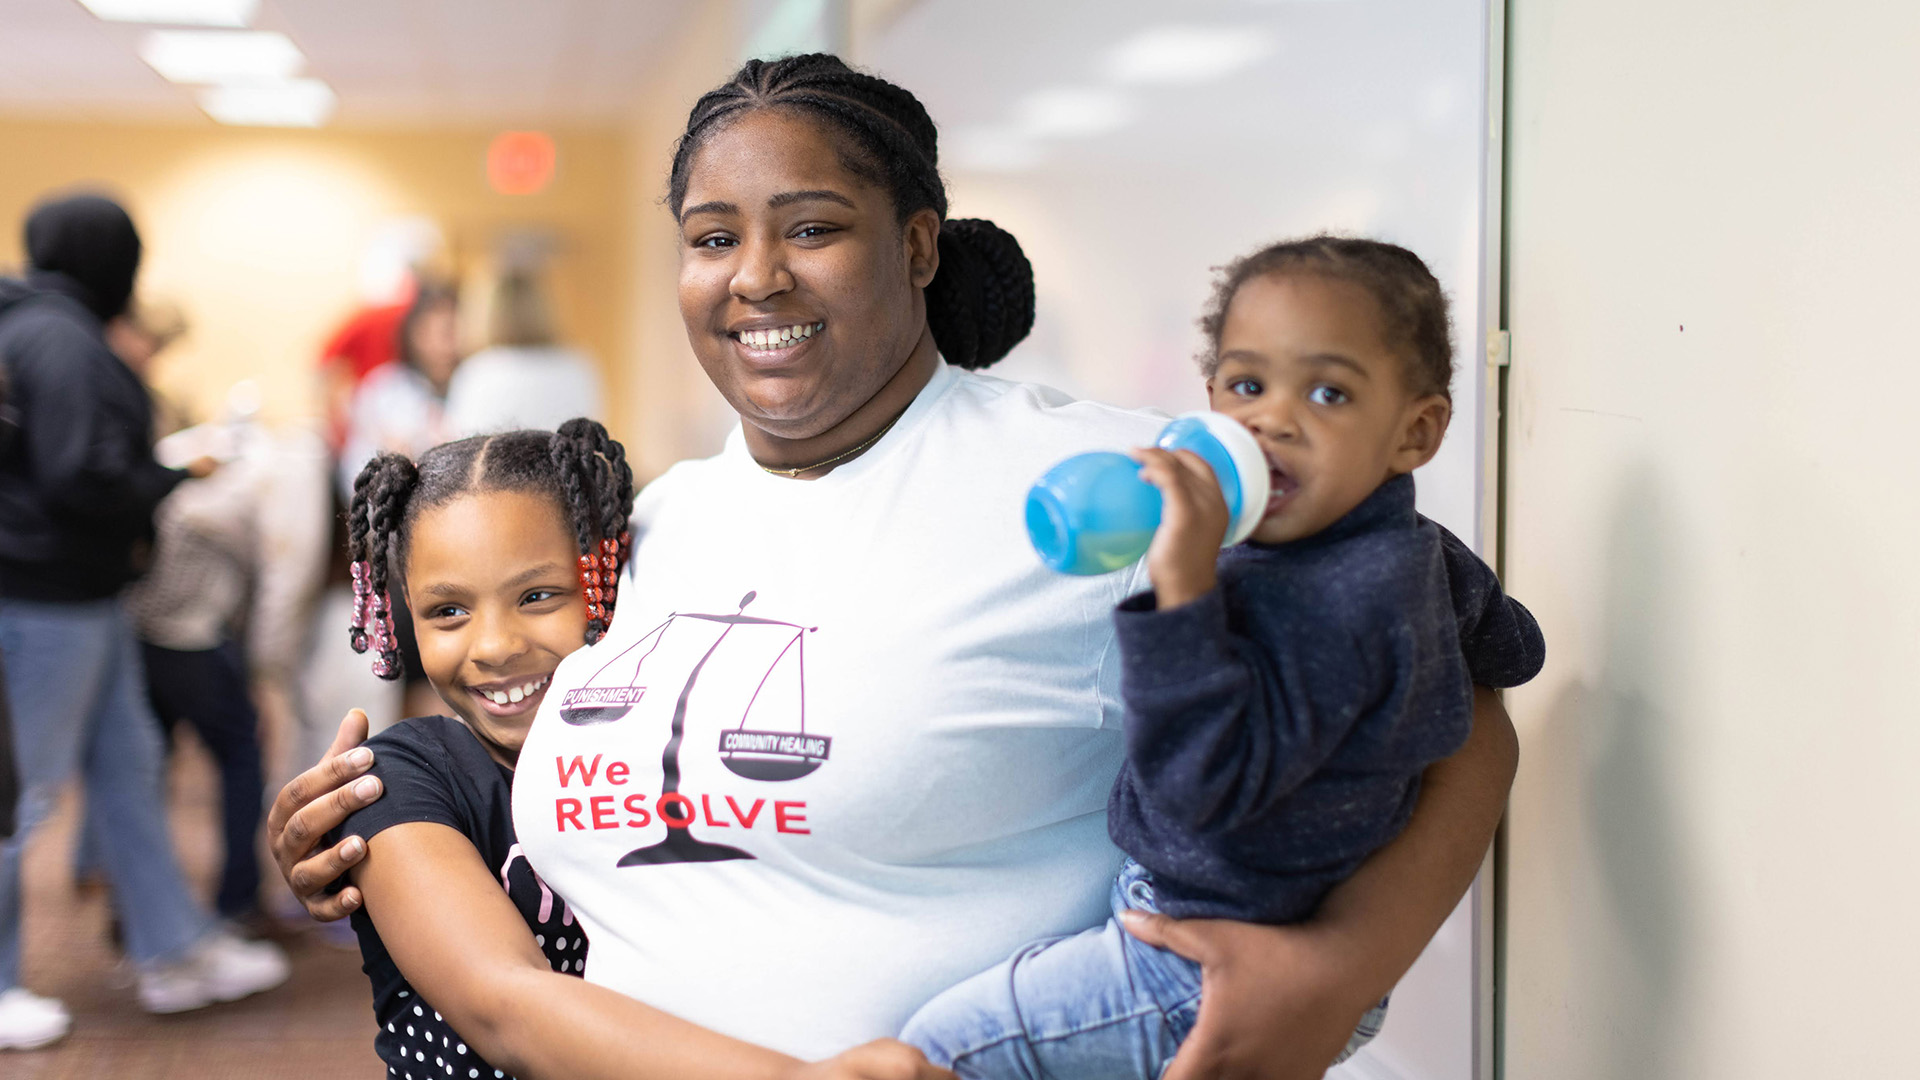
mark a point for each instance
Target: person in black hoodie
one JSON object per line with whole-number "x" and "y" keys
{"x": 77, "y": 492}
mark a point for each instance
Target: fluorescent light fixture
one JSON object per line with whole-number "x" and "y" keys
{"x": 291, "y": 103}
{"x": 989, "y": 150}
{"x": 221, "y": 56}
{"x": 1173, "y": 55}
{"x": 234, "y": 13}
{"x": 1071, "y": 112}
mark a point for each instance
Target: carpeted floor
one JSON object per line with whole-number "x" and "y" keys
{"x": 317, "y": 1027}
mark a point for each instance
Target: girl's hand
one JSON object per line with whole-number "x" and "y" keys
{"x": 882, "y": 1059}
{"x": 1276, "y": 1002}
{"x": 1193, "y": 522}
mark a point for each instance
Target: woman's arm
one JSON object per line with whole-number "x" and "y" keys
{"x": 459, "y": 940}
{"x": 1279, "y": 1002}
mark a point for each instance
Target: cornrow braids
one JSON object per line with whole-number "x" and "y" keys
{"x": 1413, "y": 307}
{"x": 980, "y": 303}
{"x": 580, "y": 467}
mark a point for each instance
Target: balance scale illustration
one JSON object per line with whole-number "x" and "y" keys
{"x": 771, "y": 751}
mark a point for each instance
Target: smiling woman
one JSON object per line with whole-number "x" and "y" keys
{"x": 837, "y": 626}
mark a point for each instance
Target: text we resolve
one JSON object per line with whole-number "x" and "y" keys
{"x": 590, "y": 812}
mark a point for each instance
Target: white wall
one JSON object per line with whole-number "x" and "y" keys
{"x": 1714, "y": 235}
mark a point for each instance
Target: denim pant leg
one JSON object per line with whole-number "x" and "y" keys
{"x": 55, "y": 656}
{"x": 1099, "y": 1005}
{"x": 125, "y": 783}
{"x": 208, "y": 689}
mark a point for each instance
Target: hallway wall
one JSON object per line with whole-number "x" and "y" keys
{"x": 1713, "y": 497}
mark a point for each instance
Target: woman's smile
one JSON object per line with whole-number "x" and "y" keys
{"x": 771, "y": 343}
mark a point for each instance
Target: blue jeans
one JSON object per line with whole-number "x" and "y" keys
{"x": 79, "y": 702}
{"x": 207, "y": 688}
{"x": 1099, "y": 1005}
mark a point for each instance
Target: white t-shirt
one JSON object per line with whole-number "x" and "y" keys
{"x": 903, "y": 738}
{"x": 508, "y": 387}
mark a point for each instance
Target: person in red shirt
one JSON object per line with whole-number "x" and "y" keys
{"x": 367, "y": 339}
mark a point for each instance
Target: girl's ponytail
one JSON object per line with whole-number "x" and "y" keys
{"x": 597, "y": 490}
{"x": 374, "y": 518}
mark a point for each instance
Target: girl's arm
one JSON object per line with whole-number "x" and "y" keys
{"x": 459, "y": 940}
{"x": 1279, "y": 1002}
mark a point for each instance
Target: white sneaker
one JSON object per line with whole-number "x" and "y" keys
{"x": 29, "y": 1021}
{"x": 220, "y": 968}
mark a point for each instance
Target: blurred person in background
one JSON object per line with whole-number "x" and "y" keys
{"x": 391, "y": 269}
{"x": 367, "y": 341}
{"x": 137, "y": 336}
{"x": 401, "y": 406}
{"x": 238, "y": 551}
{"x": 524, "y": 378}
{"x": 9, "y": 774}
{"x": 77, "y": 497}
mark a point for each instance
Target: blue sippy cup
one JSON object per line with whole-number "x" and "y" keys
{"x": 1092, "y": 513}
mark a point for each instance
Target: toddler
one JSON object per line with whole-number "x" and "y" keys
{"x": 1282, "y": 697}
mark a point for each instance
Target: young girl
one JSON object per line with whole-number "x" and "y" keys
{"x": 505, "y": 549}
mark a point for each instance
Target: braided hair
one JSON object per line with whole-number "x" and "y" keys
{"x": 579, "y": 466}
{"x": 980, "y": 302}
{"x": 1413, "y": 307}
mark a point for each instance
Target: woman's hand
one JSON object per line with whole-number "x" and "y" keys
{"x": 1193, "y": 522}
{"x": 311, "y": 805}
{"x": 882, "y": 1059}
{"x": 1277, "y": 1002}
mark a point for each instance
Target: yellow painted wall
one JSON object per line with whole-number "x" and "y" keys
{"x": 1712, "y": 503}
{"x": 258, "y": 233}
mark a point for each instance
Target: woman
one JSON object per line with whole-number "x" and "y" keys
{"x": 401, "y": 406}
{"x": 809, "y": 892}
{"x": 524, "y": 378}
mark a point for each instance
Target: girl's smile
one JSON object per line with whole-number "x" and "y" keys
{"x": 511, "y": 697}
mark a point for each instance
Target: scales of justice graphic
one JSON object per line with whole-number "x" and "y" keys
{"x": 770, "y": 751}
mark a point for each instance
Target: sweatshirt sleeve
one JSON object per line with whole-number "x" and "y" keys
{"x": 1219, "y": 730}
{"x": 83, "y": 460}
{"x": 1501, "y": 640}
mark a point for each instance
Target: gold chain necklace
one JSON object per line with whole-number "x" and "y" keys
{"x": 794, "y": 473}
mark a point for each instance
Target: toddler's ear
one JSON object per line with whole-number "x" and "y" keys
{"x": 1422, "y": 427}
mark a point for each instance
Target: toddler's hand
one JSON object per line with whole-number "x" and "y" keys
{"x": 1193, "y": 522}
{"x": 881, "y": 1059}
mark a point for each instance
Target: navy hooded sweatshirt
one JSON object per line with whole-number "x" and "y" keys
{"x": 1278, "y": 726}
{"x": 78, "y": 484}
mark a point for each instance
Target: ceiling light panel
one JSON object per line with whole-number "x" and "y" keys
{"x": 233, "y": 13}
{"x": 221, "y": 56}
{"x": 1071, "y": 112}
{"x": 292, "y": 103}
{"x": 1173, "y": 55}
